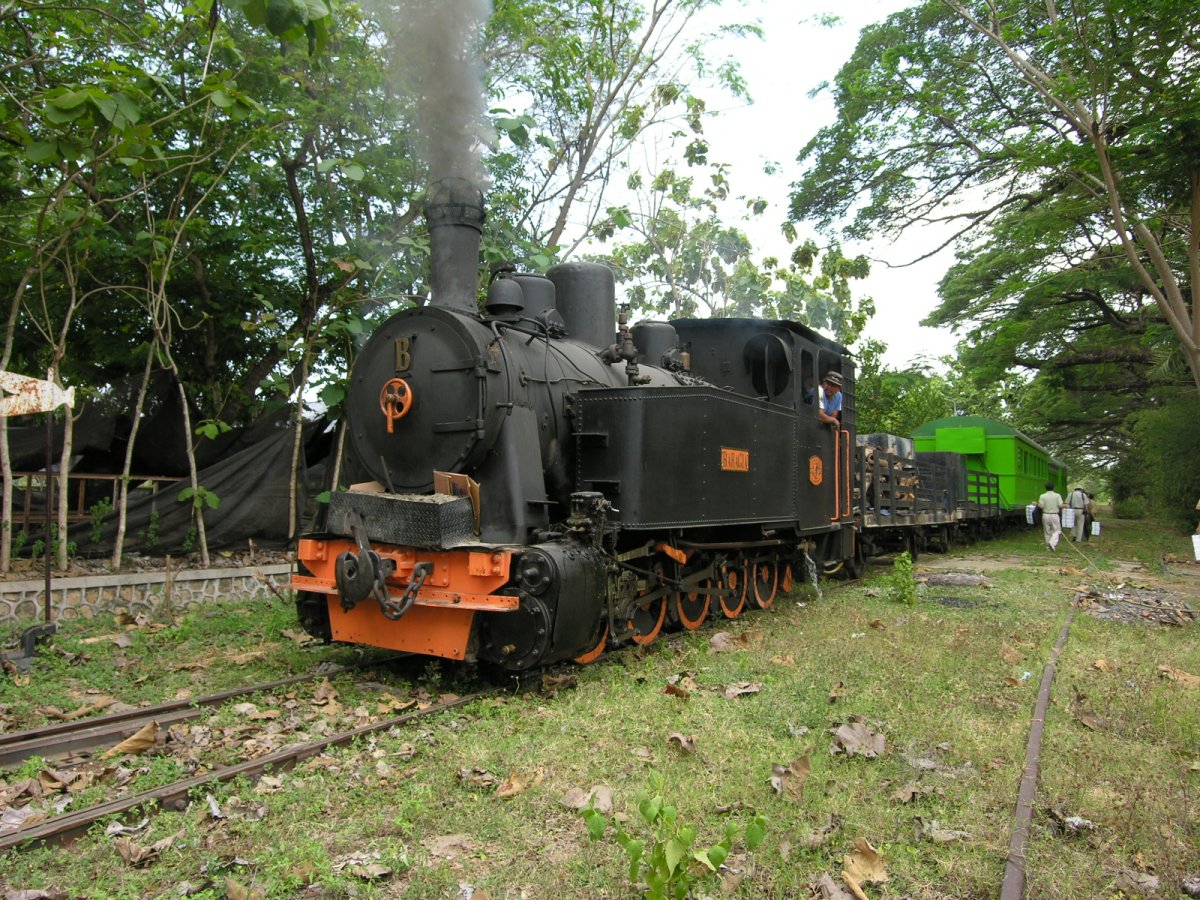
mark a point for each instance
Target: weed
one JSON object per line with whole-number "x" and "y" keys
{"x": 903, "y": 586}
{"x": 666, "y": 861}
{"x": 19, "y": 541}
{"x": 99, "y": 512}
{"x": 149, "y": 534}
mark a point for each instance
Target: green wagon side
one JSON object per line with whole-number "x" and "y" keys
{"x": 1023, "y": 466}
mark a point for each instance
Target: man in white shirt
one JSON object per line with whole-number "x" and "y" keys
{"x": 1051, "y": 503}
{"x": 1078, "y": 501}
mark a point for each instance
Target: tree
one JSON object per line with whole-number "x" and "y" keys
{"x": 975, "y": 114}
{"x": 593, "y": 79}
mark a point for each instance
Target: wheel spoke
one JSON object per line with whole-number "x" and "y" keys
{"x": 692, "y": 608}
{"x": 766, "y": 582}
{"x": 733, "y": 579}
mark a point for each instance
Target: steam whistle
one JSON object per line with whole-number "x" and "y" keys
{"x": 625, "y": 349}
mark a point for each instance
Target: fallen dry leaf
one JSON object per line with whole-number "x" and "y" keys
{"x": 241, "y": 659}
{"x": 518, "y": 782}
{"x": 865, "y": 864}
{"x": 448, "y": 846}
{"x": 820, "y": 837}
{"x": 324, "y": 692}
{"x": 785, "y": 660}
{"x": 675, "y": 690}
{"x": 36, "y": 894}
{"x": 363, "y": 865}
{"x": 911, "y": 791}
{"x": 854, "y": 886}
{"x": 788, "y": 781}
{"x": 721, "y": 642}
{"x": 1010, "y": 654}
{"x": 685, "y": 743}
{"x": 144, "y": 739}
{"x": 830, "y": 890}
{"x": 1082, "y": 712}
{"x": 552, "y": 684}
{"x": 1179, "y": 676}
{"x": 838, "y": 690}
{"x": 935, "y": 832}
{"x": 856, "y": 739}
{"x": 137, "y": 855}
{"x": 1137, "y": 882}
{"x": 1103, "y": 665}
{"x": 1009, "y": 681}
{"x": 740, "y": 688}
{"x": 600, "y": 797}
{"x": 477, "y": 778}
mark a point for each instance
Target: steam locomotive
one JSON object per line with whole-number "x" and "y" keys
{"x": 543, "y": 481}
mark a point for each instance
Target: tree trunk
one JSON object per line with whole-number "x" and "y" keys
{"x": 123, "y": 484}
{"x": 198, "y": 503}
{"x": 297, "y": 446}
{"x": 61, "y": 554}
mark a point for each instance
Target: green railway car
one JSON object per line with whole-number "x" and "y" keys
{"x": 988, "y": 445}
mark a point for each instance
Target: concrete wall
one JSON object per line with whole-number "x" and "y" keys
{"x": 22, "y": 601}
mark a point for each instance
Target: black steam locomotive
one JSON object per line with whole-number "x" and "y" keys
{"x": 546, "y": 481}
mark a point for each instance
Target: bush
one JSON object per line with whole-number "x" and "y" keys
{"x": 1130, "y": 508}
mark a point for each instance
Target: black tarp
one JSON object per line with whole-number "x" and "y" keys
{"x": 252, "y": 488}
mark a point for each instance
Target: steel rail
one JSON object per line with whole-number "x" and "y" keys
{"x": 83, "y": 734}
{"x": 174, "y": 796}
{"x": 1013, "y": 885}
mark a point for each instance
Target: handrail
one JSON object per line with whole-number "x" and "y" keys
{"x": 79, "y": 511}
{"x": 846, "y": 479}
{"x": 837, "y": 474}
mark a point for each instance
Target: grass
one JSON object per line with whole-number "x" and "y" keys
{"x": 949, "y": 681}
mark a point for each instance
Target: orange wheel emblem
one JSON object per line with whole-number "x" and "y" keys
{"x": 816, "y": 470}
{"x": 395, "y": 400}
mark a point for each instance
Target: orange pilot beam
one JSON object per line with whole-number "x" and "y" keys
{"x": 460, "y": 583}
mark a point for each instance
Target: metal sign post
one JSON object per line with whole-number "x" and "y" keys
{"x": 24, "y": 395}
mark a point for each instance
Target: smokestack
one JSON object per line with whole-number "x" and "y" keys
{"x": 454, "y": 211}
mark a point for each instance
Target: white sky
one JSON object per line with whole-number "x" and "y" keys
{"x": 795, "y": 56}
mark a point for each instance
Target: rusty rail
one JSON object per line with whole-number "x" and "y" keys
{"x": 175, "y": 796}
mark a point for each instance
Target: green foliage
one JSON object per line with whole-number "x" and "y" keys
{"x": 1167, "y": 437}
{"x": 902, "y": 588}
{"x": 1133, "y": 507}
{"x": 667, "y": 861}
{"x": 149, "y": 535}
{"x": 936, "y": 123}
{"x": 99, "y": 512}
{"x": 211, "y": 428}
{"x": 200, "y": 497}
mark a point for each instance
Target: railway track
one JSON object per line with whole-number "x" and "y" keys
{"x": 61, "y": 738}
{"x": 174, "y": 796}
{"x": 64, "y": 738}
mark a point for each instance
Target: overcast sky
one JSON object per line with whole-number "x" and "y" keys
{"x": 795, "y": 56}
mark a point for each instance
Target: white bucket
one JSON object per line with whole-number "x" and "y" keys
{"x": 1196, "y": 546}
{"x": 1068, "y": 517}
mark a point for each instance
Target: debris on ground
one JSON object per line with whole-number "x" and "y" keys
{"x": 958, "y": 579}
{"x": 1129, "y": 604}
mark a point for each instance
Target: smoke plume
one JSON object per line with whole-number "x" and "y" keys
{"x": 437, "y": 62}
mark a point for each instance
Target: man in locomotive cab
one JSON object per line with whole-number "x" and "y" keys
{"x": 829, "y": 396}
